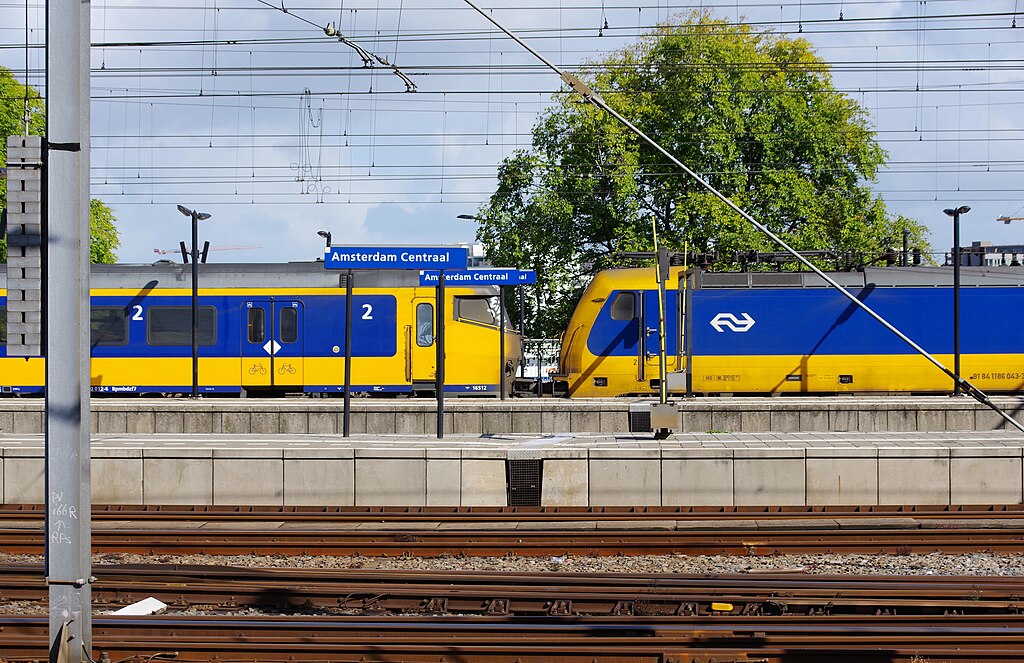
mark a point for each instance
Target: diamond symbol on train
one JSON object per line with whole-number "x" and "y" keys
{"x": 272, "y": 347}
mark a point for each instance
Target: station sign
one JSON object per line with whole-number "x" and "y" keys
{"x": 396, "y": 257}
{"x": 480, "y": 277}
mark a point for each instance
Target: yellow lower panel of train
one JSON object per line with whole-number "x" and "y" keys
{"x": 617, "y": 376}
{"x": 852, "y": 373}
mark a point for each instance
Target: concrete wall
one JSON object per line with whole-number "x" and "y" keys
{"x": 667, "y": 476}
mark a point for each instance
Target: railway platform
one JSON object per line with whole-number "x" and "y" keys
{"x": 526, "y": 416}
{"x": 716, "y": 468}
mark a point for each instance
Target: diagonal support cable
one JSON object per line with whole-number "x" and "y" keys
{"x": 593, "y": 97}
{"x": 368, "y": 57}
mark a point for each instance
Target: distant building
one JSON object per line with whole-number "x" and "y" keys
{"x": 984, "y": 254}
{"x": 476, "y": 254}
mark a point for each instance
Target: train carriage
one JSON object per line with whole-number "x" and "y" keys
{"x": 279, "y": 328}
{"x": 791, "y": 333}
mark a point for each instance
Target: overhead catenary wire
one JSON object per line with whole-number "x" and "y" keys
{"x": 594, "y": 98}
{"x": 369, "y": 58}
{"x": 422, "y": 45}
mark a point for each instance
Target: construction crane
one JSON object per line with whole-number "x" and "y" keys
{"x": 185, "y": 252}
{"x": 1007, "y": 219}
{"x": 164, "y": 252}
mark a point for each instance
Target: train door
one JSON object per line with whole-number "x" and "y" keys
{"x": 272, "y": 348}
{"x": 421, "y": 355}
{"x": 651, "y": 336}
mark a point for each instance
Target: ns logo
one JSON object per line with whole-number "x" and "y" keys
{"x": 724, "y": 321}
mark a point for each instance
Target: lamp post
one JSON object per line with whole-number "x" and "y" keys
{"x": 955, "y": 213}
{"x": 194, "y": 256}
{"x": 326, "y": 234}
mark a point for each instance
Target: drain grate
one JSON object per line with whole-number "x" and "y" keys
{"x": 523, "y": 478}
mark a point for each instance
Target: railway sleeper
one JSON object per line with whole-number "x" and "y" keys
{"x": 559, "y": 607}
{"x": 434, "y": 605}
{"x": 497, "y": 607}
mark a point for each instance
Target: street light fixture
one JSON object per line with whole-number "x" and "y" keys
{"x": 326, "y": 234}
{"x": 470, "y": 217}
{"x": 955, "y": 213}
{"x": 196, "y": 217}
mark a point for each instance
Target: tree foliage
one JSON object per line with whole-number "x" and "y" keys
{"x": 103, "y": 233}
{"x": 755, "y": 114}
{"x": 13, "y": 100}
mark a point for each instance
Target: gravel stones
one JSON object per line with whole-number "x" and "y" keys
{"x": 932, "y": 564}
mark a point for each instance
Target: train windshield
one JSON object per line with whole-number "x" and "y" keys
{"x": 624, "y": 306}
{"x": 485, "y": 310}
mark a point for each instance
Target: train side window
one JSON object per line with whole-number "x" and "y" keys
{"x": 476, "y": 309}
{"x": 257, "y": 325}
{"x": 289, "y": 332}
{"x": 424, "y": 325}
{"x": 172, "y": 325}
{"x": 624, "y": 306}
{"x": 108, "y": 325}
{"x": 3, "y": 325}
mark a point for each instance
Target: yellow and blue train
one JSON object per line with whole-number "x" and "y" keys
{"x": 791, "y": 333}
{"x": 279, "y": 328}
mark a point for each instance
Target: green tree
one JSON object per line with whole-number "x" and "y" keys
{"x": 14, "y": 98}
{"x": 754, "y": 113}
{"x": 103, "y": 233}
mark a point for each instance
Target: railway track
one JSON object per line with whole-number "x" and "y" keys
{"x": 318, "y": 591}
{"x": 466, "y": 540}
{"x": 117, "y": 512}
{"x": 510, "y": 639}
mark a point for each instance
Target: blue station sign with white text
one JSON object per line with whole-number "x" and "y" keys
{"x": 480, "y": 277}
{"x": 395, "y": 257}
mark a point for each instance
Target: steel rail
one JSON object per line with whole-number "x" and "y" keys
{"x": 469, "y": 542}
{"x": 226, "y": 589}
{"x": 593, "y": 97}
{"x": 506, "y": 639}
{"x": 347, "y": 592}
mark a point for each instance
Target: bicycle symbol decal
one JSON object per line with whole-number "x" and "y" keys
{"x": 257, "y": 368}
{"x": 286, "y": 368}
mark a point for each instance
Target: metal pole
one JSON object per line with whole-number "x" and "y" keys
{"x": 662, "y": 346}
{"x": 688, "y": 328}
{"x": 439, "y": 340}
{"x": 195, "y": 303}
{"x": 522, "y": 332}
{"x": 347, "y": 417}
{"x": 905, "y": 256}
{"x": 501, "y": 340}
{"x": 84, "y": 333}
{"x": 593, "y": 97}
{"x": 956, "y": 302}
{"x": 68, "y": 484}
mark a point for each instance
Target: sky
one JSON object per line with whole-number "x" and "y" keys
{"x": 249, "y": 111}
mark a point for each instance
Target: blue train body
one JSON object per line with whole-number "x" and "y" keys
{"x": 790, "y": 333}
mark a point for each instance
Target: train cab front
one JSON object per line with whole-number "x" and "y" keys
{"x": 612, "y": 344}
